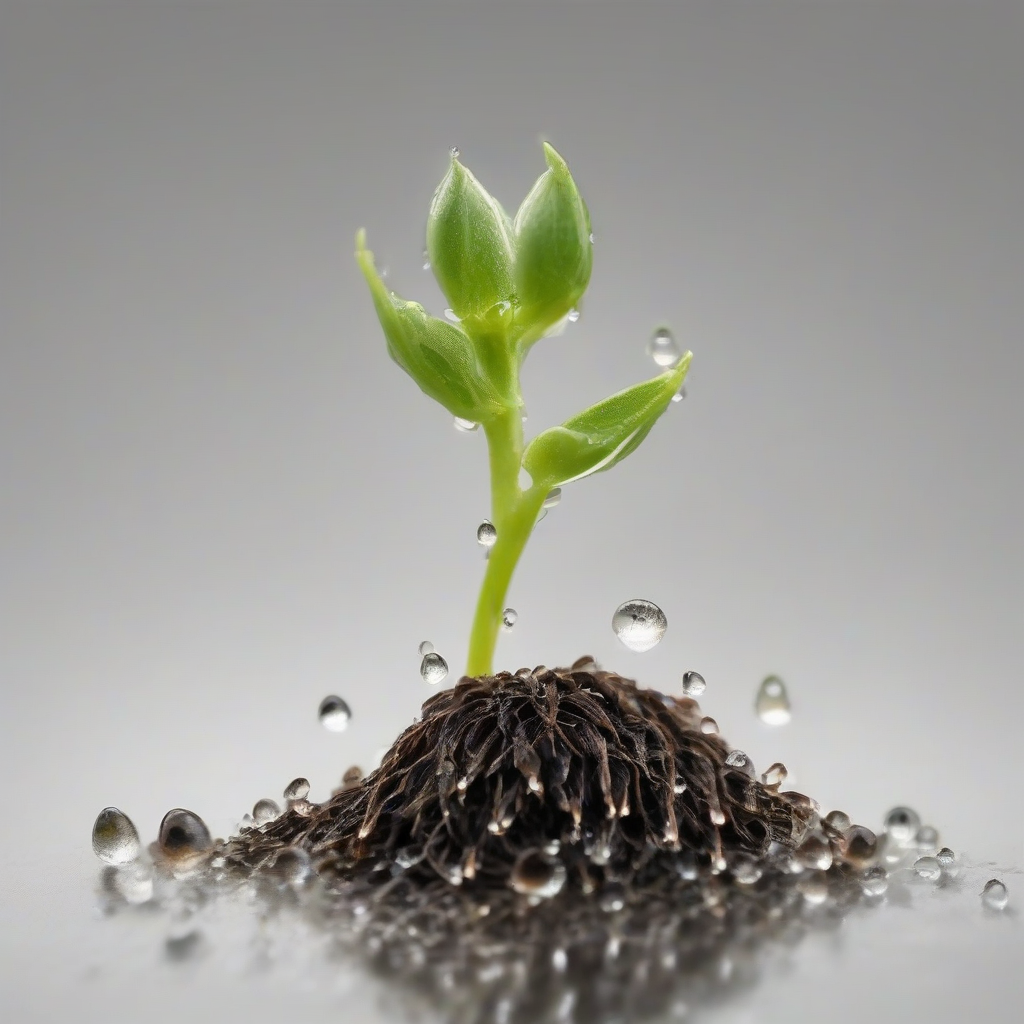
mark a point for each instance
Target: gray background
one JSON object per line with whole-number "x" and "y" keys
{"x": 220, "y": 501}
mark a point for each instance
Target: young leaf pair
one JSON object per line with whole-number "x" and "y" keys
{"x": 510, "y": 281}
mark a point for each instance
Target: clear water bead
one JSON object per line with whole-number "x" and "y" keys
{"x": 837, "y": 821}
{"x": 183, "y": 833}
{"x": 815, "y": 853}
{"x": 433, "y": 668}
{"x": 334, "y": 714}
{"x": 265, "y": 811}
{"x": 860, "y": 845}
{"x": 639, "y": 624}
{"x": 537, "y": 874}
{"x": 454, "y": 152}
{"x": 693, "y": 684}
{"x": 947, "y": 859}
{"x": 775, "y": 775}
{"x": 994, "y": 895}
{"x": 662, "y": 348}
{"x": 465, "y": 426}
{"x": 875, "y": 881}
{"x": 553, "y": 498}
{"x": 901, "y": 825}
{"x": 927, "y": 837}
{"x": 509, "y": 617}
{"x": 426, "y": 648}
{"x": 680, "y": 394}
{"x": 738, "y": 759}
{"x": 486, "y": 534}
{"x": 772, "y": 702}
{"x": 115, "y": 839}
{"x": 709, "y": 726}
{"x": 297, "y": 789}
{"x": 450, "y": 314}
{"x": 928, "y": 868}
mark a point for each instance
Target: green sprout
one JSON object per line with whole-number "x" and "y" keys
{"x": 510, "y": 281}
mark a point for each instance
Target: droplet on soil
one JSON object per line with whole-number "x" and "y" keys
{"x": 115, "y": 840}
{"x": 183, "y": 833}
{"x": 265, "y": 811}
{"x": 772, "y": 702}
{"x": 738, "y": 759}
{"x": 433, "y": 668}
{"x": 297, "y": 789}
{"x": 709, "y": 726}
{"x": 536, "y": 874}
{"x": 775, "y": 775}
{"x": 334, "y": 714}
{"x": 639, "y": 624}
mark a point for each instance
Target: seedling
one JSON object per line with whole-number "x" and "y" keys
{"x": 510, "y": 281}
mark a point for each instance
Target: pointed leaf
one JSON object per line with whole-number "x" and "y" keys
{"x": 604, "y": 434}
{"x": 436, "y": 354}
{"x": 469, "y": 242}
{"x": 554, "y": 254}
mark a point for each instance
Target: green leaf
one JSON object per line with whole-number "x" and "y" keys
{"x": 469, "y": 242}
{"x": 554, "y": 254}
{"x": 604, "y": 434}
{"x": 436, "y": 354}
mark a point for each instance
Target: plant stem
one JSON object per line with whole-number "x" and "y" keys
{"x": 514, "y": 513}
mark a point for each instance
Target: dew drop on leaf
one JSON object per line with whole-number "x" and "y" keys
{"x": 433, "y": 668}
{"x": 334, "y": 714}
{"x": 639, "y": 624}
{"x": 553, "y": 498}
{"x": 486, "y": 534}
{"x": 662, "y": 348}
{"x": 297, "y": 789}
{"x": 574, "y": 315}
{"x": 772, "y": 702}
{"x": 465, "y": 426}
{"x": 115, "y": 839}
{"x": 265, "y": 811}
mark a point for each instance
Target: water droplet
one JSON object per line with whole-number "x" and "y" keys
{"x": 738, "y": 759}
{"x": 574, "y": 315}
{"x": 297, "y": 789}
{"x": 680, "y": 394}
{"x": 994, "y": 895}
{"x": 662, "y": 348}
{"x": 693, "y": 684}
{"x": 901, "y": 825}
{"x": 612, "y": 898}
{"x": 115, "y": 840}
{"x": 775, "y": 775}
{"x": 947, "y": 861}
{"x": 537, "y": 874}
{"x": 772, "y": 702}
{"x": 433, "y": 668}
{"x": 246, "y": 823}
{"x": 292, "y": 865}
{"x": 746, "y": 869}
{"x": 639, "y": 624}
{"x": 449, "y": 314}
{"x": 486, "y": 534}
{"x": 875, "y": 881}
{"x": 509, "y": 617}
{"x": 928, "y": 868}
{"x": 454, "y": 152}
{"x": 815, "y": 853}
{"x": 426, "y": 648}
{"x": 717, "y": 816}
{"x": 860, "y": 845}
{"x": 679, "y": 788}
{"x": 426, "y": 260}
{"x": 334, "y": 714}
{"x": 837, "y": 821}
{"x": 709, "y": 726}
{"x": 183, "y": 834}
{"x": 465, "y": 426}
{"x": 927, "y": 837}
{"x": 264, "y": 811}
{"x": 591, "y": 237}
{"x": 814, "y": 888}
{"x": 553, "y": 498}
